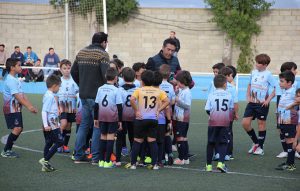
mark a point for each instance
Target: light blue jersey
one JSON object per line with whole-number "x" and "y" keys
{"x": 67, "y": 95}
{"x": 287, "y": 116}
{"x": 50, "y": 106}
{"x": 279, "y": 90}
{"x": 260, "y": 84}
{"x": 136, "y": 82}
{"x": 169, "y": 89}
{"x": 181, "y": 114}
{"x": 126, "y": 92}
{"x": 108, "y": 96}
{"x": 233, "y": 92}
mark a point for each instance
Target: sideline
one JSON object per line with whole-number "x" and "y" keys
{"x": 4, "y": 138}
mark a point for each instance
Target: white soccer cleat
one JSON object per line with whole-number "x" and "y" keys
{"x": 253, "y": 148}
{"x": 258, "y": 151}
{"x": 178, "y": 162}
{"x": 297, "y": 155}
{"x": 283, "y": 154}
{"x": 186, "y": 161}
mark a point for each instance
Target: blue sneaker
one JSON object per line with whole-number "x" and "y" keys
{"x": 227, "y": 157}
{"x": 124, "y": 151}
{"x": 216, "y": 157}
{"x": 60, "y": 149}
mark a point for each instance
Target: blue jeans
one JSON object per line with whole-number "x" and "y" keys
{"x": 96, "y": 143}
{"x": 48, "y": 72}
{"x": 87, "y": 121}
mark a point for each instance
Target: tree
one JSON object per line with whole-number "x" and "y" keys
{"x": 238, "y": 19}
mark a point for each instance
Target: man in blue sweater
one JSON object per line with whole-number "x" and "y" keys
{"x": 51, "y": 60}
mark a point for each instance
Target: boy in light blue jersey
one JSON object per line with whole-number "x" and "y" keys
{"x": 13, "y": 100}
{"x": 219, "y": 107}
{"x": 258, "y": 97}
{"x": 216, "y": 69}
{"x": 108, "y": 111}
{"x": 51, "y": 126}
{"x": 67, "y": 103}
{"x": 287, "y": 118}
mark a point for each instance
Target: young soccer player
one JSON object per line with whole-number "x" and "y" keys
{"x": 258, "y": 97}
{"x": 146, "y": 111}
{"x": 139, "y": 68}
{"x": 67, "y": 103}
{"x": 13, "y": 99}
{"x": 51, "y": 129}
{"x": 228, "y": 73}
{"x": 181, "y": 116}
{"x": 287, "y": 118}
{"x": 219, "y": 106}
{"x": 128, "y": 114}
{"x": 216, "y": 69}
{"x": 108, "y": 111}
{"x": 165, "y": 71}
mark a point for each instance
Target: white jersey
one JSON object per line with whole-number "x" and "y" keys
{"x": 67, "y": 95}
{"x": 287, "y": 116}
{"x": 181, "y": 114}
{"x": 50, "y": 107}
{"x": 279, "y": 90}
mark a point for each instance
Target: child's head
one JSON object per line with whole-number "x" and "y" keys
{"x": 147, "y": 77}
{"x": 220, "y": 81}
{"x": 183, "y": 78}
{"x": 111, "y": 74}
{"x": 139, "y": 68}
{"x": 234, "y": 72}
{"x": 38, "y": 62}
{"x": 165, "y": 70}
{"x": 227, "y": 72}
{"x": 262, "y": 61}
{"x": 286, "y": 79}
{"x": 128, "y": 74}
{"x": 53, "y": 82}
{"x": 65, "y": 67}
{"x": 119, "y": 64}
{"x": 13, "y": 65}
{"x": 292, "y": 66}
{"x": 217, "y": 67}
{"x": 157, "y": 79}
{"x": 113, "y": 65}
{"x": 298, "y": 92}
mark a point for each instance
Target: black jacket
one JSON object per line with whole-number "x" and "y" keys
{"x": 156, "y": 61}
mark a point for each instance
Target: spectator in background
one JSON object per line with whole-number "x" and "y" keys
{"x": 3, "y": 57}
{"x": 173, "y": 36}
{"x": 37, "y": 74}
{"x": 30, "y": 58}
{"x": 51, "y": 60}
{"x": 18, "y": 54}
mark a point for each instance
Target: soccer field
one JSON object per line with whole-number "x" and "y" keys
{"x": 247, "y": 172}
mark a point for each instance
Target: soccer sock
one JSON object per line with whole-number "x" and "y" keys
{"x": 135, "y": 151}
{"x": 180, "y": 150}
{"x": 209, "y": 153}
{"x": 53, "y": 150}
{"x": 118, "y": 148}
{"x": 222, "y": 151}
{"x": 102, "y": 148}
{"x": 160, "y": 152}
{"x": 142, "y": 151}
{"x": 253, "y": 136}
{"x": 168, "y": 145}
{"x": 109, "y": 149}
{"x": 154, "y": 150}
{"x": 230, "y": 144}
{"x": 291, "y": 154}
{"x": 66, "y": 135}
{"x": 123, "y": 135}
{"x": 185, "y": 150}
{"x": 283, "y": 143}
{"x": 261, "y": 138}
{"x": 10, "y": 141}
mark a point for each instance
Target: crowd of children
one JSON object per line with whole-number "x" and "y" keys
{"x": 143, "y": 105}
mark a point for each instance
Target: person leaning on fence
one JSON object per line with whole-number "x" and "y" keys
{"x": 37, "y": 74}
{"x": 50, "y": 60}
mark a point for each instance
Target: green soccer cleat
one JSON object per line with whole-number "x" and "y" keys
{"x": 101, "y": 164}
{"x": 46, "y": 166}
{"x": 153, "y": 167}
{"x": 148, "y": 160}
{"x": 108, "y": 165}
{"x": 208, "y": 168}
{"x": 287, "y": 167}
{"x": 129, "y": 166}
{"x": 222, "y": 167}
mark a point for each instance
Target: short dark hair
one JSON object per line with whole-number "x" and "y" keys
{"x": 65, "y": 62}
{"x": 53, "y": 80}
{"x": 298, "y": 91}
{"x": 157, "y": 78}
{"x": 165, "y": 71}
{"x": 263, "y": 59}
{"x": 119, "y": 63}
{"x": 128, "y": 74}
{"x": 147, "y": 77}
{"x": 218, "y": 66}
{"x": 99, "y": 37}
{"x": 169, "y": 41}
{"x": 111, "y": 74}
{"x": 288, "y": 76}
{"x": 29, "y": 47}
{"x": 234, "y": 72}
{"x": 51, "y": 48}
{"x": 2, "y": 45}
{"x": 226, "y": 71}
{"x": 173, "y": 32}
{"x": 39, "y": 60}
{"x": 137, "y": 66}
{"x": 288, "y": 66}
{"x": 219, "y": 81}
{"x": 184, "y": 77}
{"x": 11, "y": 62}
{"x": 17, "y": 47}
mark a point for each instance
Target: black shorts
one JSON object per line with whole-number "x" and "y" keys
{"x": 256, "y": 110}
{"x": 161, "y": 131}
{"x": 289, "y": 131}
{"x": 145, "y": 128}
{"x": 70, "y": 117}
{"x": 218, "y": 135}
{"x": 14, "y": 120}
{"x": 181, "y": 128}
{"x": 54, "y": 136}
{"x": 108, "y": 127}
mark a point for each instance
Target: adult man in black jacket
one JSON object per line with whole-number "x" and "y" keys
{"x": 88, "y": 71}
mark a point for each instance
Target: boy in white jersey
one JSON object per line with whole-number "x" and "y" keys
{"x": 108, "y": 111}
{"x": 216, "y": 69}
{"x": 219, "y": 106}
{"x": 287, "y": 118}
{"x": 228, "y": 73}
{"x": 67, "y": 103}
{"x": 13, "y": 99}
{"x": 181, "y": 116}
{"x": 165, "y": 71}
{"x": 258, "y": 97}
{"x": 287, "y": 66}
{"x": 51, "y": 129}
{"x": 128, "y": 114}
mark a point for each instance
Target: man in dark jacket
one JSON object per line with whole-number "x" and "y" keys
{"x": 88, "y": 71}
